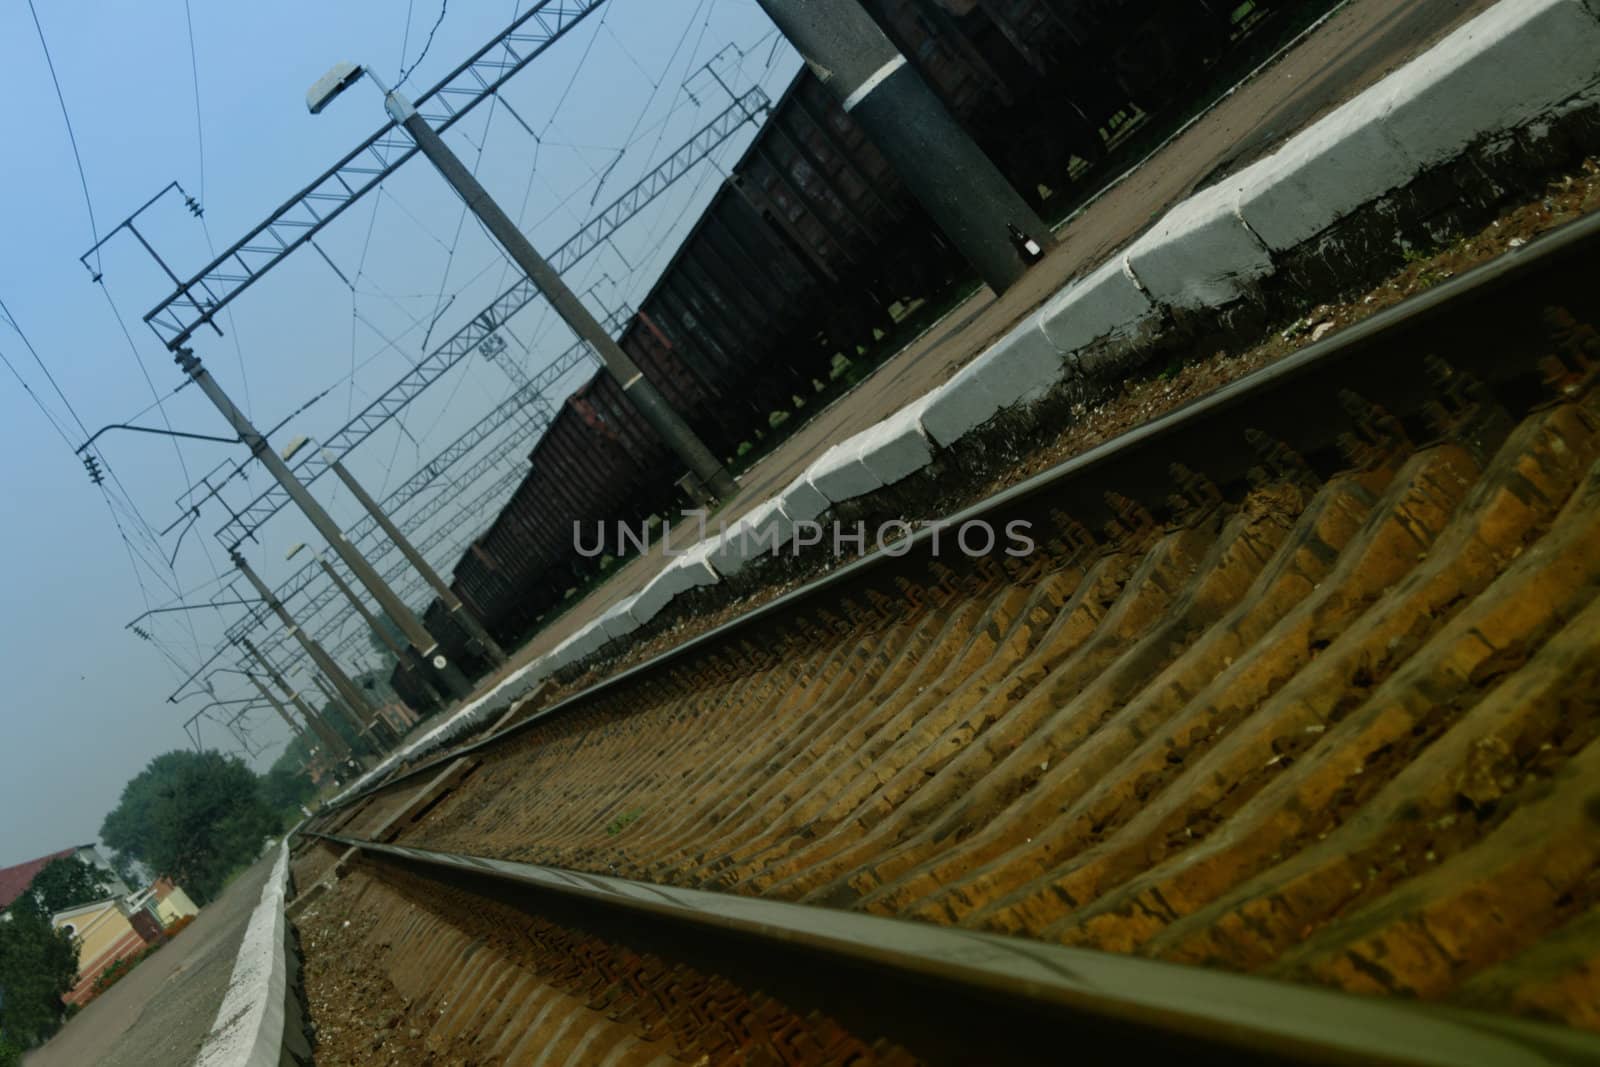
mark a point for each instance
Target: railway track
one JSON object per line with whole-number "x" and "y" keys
{"x": 1300, "y": 683}
{"x": 515, "y": 961}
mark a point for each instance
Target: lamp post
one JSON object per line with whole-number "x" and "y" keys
{"x": 635, "y": 386}
{"x": 448, "y": 673}
{"x": 405, "y": 657}
{"x": 447, "y": 596}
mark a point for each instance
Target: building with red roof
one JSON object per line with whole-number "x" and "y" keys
{"x": 15, "y": 880}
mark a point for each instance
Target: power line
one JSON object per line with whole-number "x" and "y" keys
{"x": 135, "y": 516}
{"x": 83, "y": 180}
{"x": 183, "y": 464}
{"x": 199, "y": 126}
{"x": 26, "y": 388}
{"x": 406, "y": 73}
{"x": 200, "y": 142}
{"x": 11, "y": 320}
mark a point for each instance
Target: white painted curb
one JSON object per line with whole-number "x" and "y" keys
{"x": 249, "y": 1028}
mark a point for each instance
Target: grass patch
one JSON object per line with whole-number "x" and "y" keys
{"x": 623, "y": 821}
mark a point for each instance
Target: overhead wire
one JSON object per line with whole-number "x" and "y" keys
{"x": 38, "y": 402}
{"x": 199, "y": 124}
{"x": 144, "y": 371}
{"x": 406, "y": 73}
{"x": 77, "y": 157}
{"x": 135, "y": 516}
{"x": 540, "y": 139}
{"x": 200, "y": 143}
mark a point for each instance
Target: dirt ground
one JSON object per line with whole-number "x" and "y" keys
{"x": 1355, "y": 47}
{"x": 359, "y": 1016}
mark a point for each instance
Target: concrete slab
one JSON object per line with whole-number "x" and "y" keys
{"x": 897, "y": 447}
{"x": 1324, "y": 173}
{"x": 802, "y": 501}
{"x": 839, "y": 475}
{"x": 1509, "y": 64}
{"x": 1022, "y": 366}
{"x": 617, "y": 623}
{"x": 957, "y": 407}
{"x": 1201, "y": 254}
{"x": 764, "y": 529}
{"x": 1106, "y": 302}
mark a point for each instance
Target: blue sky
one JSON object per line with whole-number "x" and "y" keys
{"x": 86, "y": 704}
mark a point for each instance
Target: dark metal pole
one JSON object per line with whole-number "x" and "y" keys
{"x": 330, "y": 738}
{"x": 404, "y": 657}
{"x": 363, "y": 725}
{"x": 446, "y": 595}
{"x": 313, "y": 647}
{"x": 635, "y": 386}
{"x": 955, "y": 182}
{"x": 449, "y": 674}
{"x": 277, "y": 705}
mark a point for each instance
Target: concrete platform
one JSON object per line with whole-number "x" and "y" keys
{"x": 1357, "y": 46}
{"x": 161, "y": 1012}
{"x": 1150, "y": 214}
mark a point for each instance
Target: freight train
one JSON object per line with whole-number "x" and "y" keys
{"x": 811, "y": 241}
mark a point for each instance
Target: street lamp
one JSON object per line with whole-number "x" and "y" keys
{"x": 639, "y": 390}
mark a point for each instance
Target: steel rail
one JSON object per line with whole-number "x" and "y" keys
{"x": 1210, "y": 1013}
{"x": 1540, "y": 258}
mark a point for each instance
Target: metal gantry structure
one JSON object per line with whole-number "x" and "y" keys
{"x": 485, "y": 324}
{"x": 197, "y": 301}
{"x": 364, "y": 532}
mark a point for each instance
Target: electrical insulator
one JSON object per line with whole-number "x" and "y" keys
{"x": 194, "y": 207}
{"x": 92, "y": 465}
{"x": 492, "y": 345}
{"x": 142, "y": 632}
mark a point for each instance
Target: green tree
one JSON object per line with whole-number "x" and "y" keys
{"x": 377, "y": 644}
{"x": 194, "y": 816}
{"x": 285, "y": 787}
{"x": 66, "y": 883}
{"x": 38, "y": 964}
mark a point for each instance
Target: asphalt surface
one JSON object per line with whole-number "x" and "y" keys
{"x": 161, "y": 1012}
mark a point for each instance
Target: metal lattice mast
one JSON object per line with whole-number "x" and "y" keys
{"x": 196, "y": 302}
{"x": 364, "y": 531}
{"x": 481, "y": 326}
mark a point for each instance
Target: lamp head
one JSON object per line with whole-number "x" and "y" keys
{"x": 331, "y": 84}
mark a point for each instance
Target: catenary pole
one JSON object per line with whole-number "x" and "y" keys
{"x": 635, "y": 386}
{"x": 956, "y": 183}
{"x": 446, "y": 595}
{"x": 404, "y": 660}
{"x": 277, "y": 705}
{"x": 453, "y": 681}
{"x": 330, "y": 738}
{"x": 313, "y": 648}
